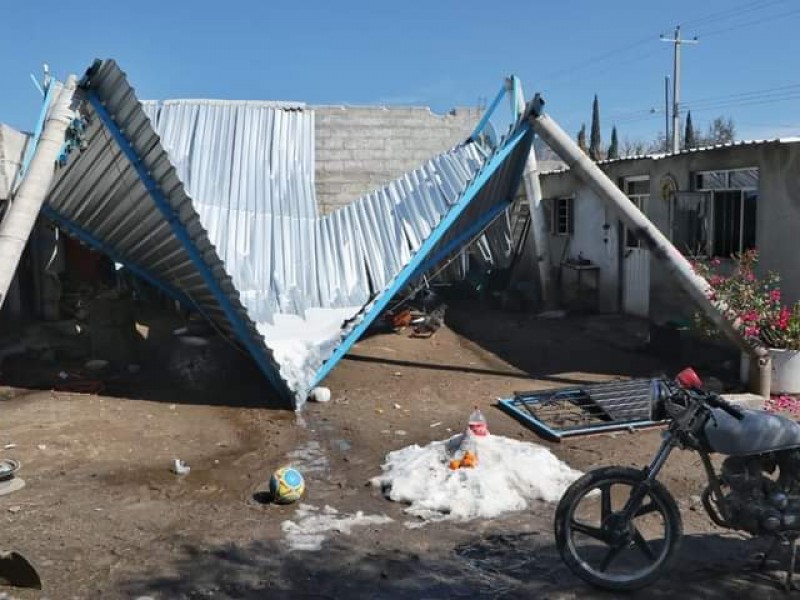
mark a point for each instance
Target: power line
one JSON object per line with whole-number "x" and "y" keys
{"x": 753, "y": 102}
{"x": 751, "y": 23}
{"x": 735, "y": 11}
{"x": 569, "y": 72}
{"x": 572, "y": 76}
{"x": 750, "y": 93}
{"x": 766, "y": 95}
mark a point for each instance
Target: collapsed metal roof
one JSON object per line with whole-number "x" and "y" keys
{"x": 213, "y": 203}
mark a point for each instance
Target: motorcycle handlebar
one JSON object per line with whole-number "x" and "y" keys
{"x": 718, "y": 402}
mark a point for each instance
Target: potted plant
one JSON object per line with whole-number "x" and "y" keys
{"x": 754, "y": 305}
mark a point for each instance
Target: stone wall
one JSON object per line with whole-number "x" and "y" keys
{"x": 358, "y": 149}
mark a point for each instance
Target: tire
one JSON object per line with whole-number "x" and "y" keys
{"x": 658, "y": 495}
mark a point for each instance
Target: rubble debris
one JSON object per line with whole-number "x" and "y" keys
{"x": 96, "y": 364}
{"x": 320, "y": 394}
{"x": 180, "y": 468}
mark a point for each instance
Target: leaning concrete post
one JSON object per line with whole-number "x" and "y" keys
{"x": 24, "y": 208}
{"x": 538, "y": 232}
{"x": 662, "y": 249}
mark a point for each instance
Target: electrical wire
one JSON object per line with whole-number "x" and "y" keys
{"x": 761, "y": 96}
{"x": 735, "y": 11}
{"x": 569, "y": 72}
{"x": 746, "y": 95}
{"x": 714, "y": 32}
{"x": 754, "y": 102}
{"x": 572, "y": 72}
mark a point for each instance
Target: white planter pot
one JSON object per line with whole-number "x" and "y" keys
{"x": 785, "y": 371}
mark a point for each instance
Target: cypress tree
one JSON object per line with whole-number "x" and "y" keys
{"x": 613, "y": 149}
{"x": 595, "y": 153}
{"x": 689, "y": 140}
{"x": 582, "y": 139}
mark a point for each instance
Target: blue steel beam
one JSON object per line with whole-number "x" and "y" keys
{"x": 464, "y": 238}
{"x": 489, "y": 112}
{"x": 406, "y": 274}
{"x": 86, "y": 237}
{"x": 180, "y": 232}
{"x": 516, "y": 109}
{"x": 37, "y": 133}
{"x": 481, "y": 223}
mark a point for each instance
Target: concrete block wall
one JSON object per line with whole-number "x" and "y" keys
{"x": 358, "y": 149}
{"x": 12, "y": 148}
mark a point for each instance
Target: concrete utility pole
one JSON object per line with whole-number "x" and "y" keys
{"x": 676, "y": 84}
{"x": 537, "y": 236}
{"x": 18, "y": 222}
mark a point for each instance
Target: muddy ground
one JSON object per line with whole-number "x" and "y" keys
{"x": 102, "y": 516}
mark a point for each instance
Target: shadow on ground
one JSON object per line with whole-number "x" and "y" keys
{"x": 498, "y": 566}
{"x": 611, "y": 345}
{"x": 205, "y": 369}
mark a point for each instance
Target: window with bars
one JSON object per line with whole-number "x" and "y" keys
{"x": 733, "y": 206}
{"x": 562, "y": 216}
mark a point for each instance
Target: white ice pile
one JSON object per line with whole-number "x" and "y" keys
{"x": 300, "y": 343}
{"x": 312, "y": 524}
{"x": 508, "y": 476}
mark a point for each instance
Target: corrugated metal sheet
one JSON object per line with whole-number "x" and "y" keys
{"x": 103, "y": 197}
{"x": 485, "y": 197}
{"x": 214, "y": 202}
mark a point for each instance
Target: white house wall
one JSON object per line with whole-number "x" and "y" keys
{"x": 591, "y": 240}
{"x": 777, "y": 217}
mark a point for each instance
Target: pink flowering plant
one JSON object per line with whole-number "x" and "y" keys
{"x": 753, "y": 304}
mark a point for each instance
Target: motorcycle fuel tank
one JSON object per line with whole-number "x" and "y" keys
{"x": 757, "y": 433}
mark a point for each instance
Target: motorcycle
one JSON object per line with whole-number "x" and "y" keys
{"x": 619, "y": 529}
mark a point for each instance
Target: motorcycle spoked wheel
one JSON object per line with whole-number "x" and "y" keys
{"x": 604, "y": 551}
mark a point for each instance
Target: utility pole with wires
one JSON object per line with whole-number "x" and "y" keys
{"x": 676, "y": 84}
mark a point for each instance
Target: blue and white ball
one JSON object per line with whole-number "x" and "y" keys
{"x": 286, "y": 485}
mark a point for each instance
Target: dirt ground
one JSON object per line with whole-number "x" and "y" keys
{"x": 102, "y": 516}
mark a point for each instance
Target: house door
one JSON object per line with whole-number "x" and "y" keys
{"x": 635, "y": 256}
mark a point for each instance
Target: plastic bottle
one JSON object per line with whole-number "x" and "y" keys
{"x": 477, "y": 423}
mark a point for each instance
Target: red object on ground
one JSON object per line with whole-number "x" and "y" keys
{"x": 688, "y": 378}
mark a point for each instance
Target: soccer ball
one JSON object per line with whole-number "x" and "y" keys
{"x": 286, "y": 485}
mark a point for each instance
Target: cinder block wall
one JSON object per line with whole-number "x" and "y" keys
{"x": 358, "y": 149}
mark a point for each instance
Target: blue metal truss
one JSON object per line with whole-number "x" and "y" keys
{"x": 179, "y": 230}
{"x": 37, "y": 134}
{"x": 87, "y": 238}
{"x": 523, "y": 135}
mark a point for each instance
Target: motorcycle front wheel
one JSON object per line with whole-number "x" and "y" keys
{"x": 604, "y": 548}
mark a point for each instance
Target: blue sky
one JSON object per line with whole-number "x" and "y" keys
{"x": 440, "y": 53}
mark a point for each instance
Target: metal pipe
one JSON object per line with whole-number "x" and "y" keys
{"x": 538, "y": 232}
{"x": 16, "y": 227}
{"x": 661, "y": 248}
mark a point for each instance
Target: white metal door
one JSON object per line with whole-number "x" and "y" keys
{"x": 636, "y": 258}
